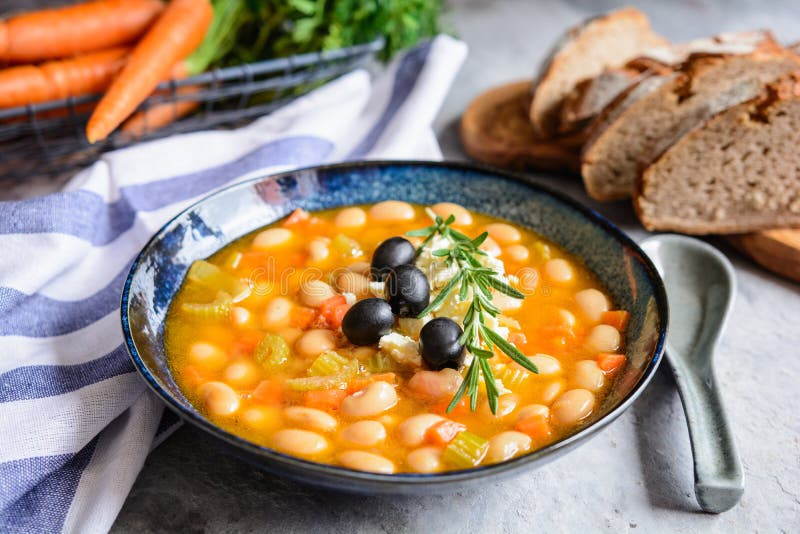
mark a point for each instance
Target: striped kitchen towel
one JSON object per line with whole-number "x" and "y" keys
{"x": 76, "y": 422}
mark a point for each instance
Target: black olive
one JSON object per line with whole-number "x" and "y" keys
{"x": 391, "y": 253}
{"x": 439, "y": 346}
{"x": 367, "y": 320}
{"x": 407, "y": 290}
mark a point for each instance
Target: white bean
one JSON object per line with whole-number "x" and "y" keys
{"x": 374, "y": 399}
{"x": 592, "y": 303}
{"x": 503, "y": 233}
{"x": 350, "y": 218}
{"x": 588, "y": 375}
{"x": 552, "y": 390}
{"x": 366, "y": 461}
{"x": 262, "y": 418}
{"x": 277, "y": 313}
{"x": 506, "y": 404}
{"x": 207, "y": 356}
{"x": 573, "y": 406}
{"x": 364, "y": 433}
{"x": 546, "y": 364}
{"x": 240, "y": 316}
{"x": 219, "y": 398}
{"x": 603, "y": 338}
{"x": 272, "y": 238}
{"x": 516, "y": 253}
{"x": 411, "y": 432}
{"x": 445, "y": 209}
{"x": 531, "y": 410}
{"x": 558, "y": 271}
{"x": 314, "y": 342}
{"x": 435, "y": 385}
{"x": 350, "y": 282}
{"x": 241, "y": 374}
{"x": 361, "y": 267}
{"x": 315, "y": 292}
{"x": 392, "y": 211}
{"x": 425, "y": 460}
{"x": 565, "y": 317}
{"x": 310, "y": 418}
{"x": 490, "y": 247}
{"x": 506, "y": 445}
{"x": 318, "y": 249}
{"x": 299, "y": 442}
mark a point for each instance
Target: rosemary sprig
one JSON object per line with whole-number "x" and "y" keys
{"x": 476, "y": 280}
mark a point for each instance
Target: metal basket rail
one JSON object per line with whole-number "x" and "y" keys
{"x": 48, "y": 138}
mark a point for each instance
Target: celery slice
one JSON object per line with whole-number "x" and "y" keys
{"x": 346, "y": 247}
{"x": 220, "y": 308}
{"x": 466, "y": 450}
{"x": 209, "y": 275}
{"x": 337, "y": 381}
{"x": 381, "y": 363}
{"x": 328, "y": 363}
{"x": 272, "y": 352}
{"x": 512, "y": 376}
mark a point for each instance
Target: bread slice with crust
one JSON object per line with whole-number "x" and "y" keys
{"x": 738, "y": 171}
{"x": 495, "y": 129}
{"x": 591, "y": 96}
{"x": 584, "y": 52}
{"x": 630, "y": 137}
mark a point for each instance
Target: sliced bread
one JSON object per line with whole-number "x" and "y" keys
{"x": 629, "y": 138}
{"x": 739, "y": 171}
{"x": 591, "y": 96}
{"x": 495, "y": 129}
{"x": 584, "y": 52}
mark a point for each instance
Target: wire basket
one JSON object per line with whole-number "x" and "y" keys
{"x": 48, "y": 139}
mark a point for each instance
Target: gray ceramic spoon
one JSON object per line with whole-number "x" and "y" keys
{"x": 700, "y": 285}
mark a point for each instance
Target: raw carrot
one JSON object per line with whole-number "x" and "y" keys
{"x": 268, "y": 392}
{"x": 444, "y": 432}
{"x": 66, "y": 31}
{"x": 325, "y": 399}
{"x": 536, "y": 426}
{"x": 616, "y": 318}
{"x": 176, "y": 33}
{"x": 159, "y": 115}
{"x": 610, "y": 363}
{"x": 81, "y": 75}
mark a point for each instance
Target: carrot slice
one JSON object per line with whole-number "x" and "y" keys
{"x": 302, "y": 317}
{"x": 444, "y": 432}
{"x": 325, "y": 399}
{"x": 616, "y": 318}
{"x": 333, "y": 310}
{"x": 536, "y": 426}
{"x": 298, "y": 215}
{"x": 462, "y": 408}
{"x": 268, "y": 392}
{"x": 610, "y": 363}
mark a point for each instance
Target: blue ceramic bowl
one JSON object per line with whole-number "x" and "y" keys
{"x": 212, "y": 223}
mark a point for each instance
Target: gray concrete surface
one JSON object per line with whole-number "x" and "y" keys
{"x": 636, "y": 475}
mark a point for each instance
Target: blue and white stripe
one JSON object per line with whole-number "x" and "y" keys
{"x": 76, "y": 423}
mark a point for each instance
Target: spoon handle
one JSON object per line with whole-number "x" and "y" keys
{"x": 718, "y": 473}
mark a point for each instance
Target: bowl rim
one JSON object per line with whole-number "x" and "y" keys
{"x": 294, "y": 463}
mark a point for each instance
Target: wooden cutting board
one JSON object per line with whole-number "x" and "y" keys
{"x": 776, "y": 250}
